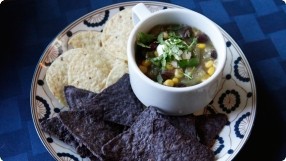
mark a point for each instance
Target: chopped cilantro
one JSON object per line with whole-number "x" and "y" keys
{"x": 188, "y": 75}
{"x": 189, "y": 62}
{"x": 143, "y": 45}
{"x": 193, "y": 44}
{"x": 160, "y": 38}
{"x": 144, "y": 39}
{"x": 175, "y": 27}
{"x": 159, "y": 79}
{"x": 156, "y": 61}
{"x": 172, "y": 35}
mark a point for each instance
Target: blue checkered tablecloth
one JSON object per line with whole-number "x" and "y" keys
{"x": 28, "y": 26}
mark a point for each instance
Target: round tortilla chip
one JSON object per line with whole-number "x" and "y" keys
{"x": 119, "y": 69}
{"x": 90, "y": 40}
{"x": 56, "y": 75}
{"x": 88, "y": 71}
{"x": 116, "y": 32}
{"x": 109, "y": 59}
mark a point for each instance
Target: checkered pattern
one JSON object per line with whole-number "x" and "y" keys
{"x": 28, "y": 26}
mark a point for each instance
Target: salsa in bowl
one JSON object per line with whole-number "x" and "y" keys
{"x": 175, "y": 55}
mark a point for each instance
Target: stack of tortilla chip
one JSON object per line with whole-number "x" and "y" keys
{"x": 94, "y": 60}
{"x": 114, "y": 125}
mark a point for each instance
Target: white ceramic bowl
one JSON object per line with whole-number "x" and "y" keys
{"x": 174, "y": 100}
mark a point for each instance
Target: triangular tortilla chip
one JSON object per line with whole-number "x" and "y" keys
{"x": 56, "y": 128}
{"x": 209, "y": 126}
{"x": 152, "y": 137}
{"x": 89, "y": 129}
{"x": 77, "y": 98}
{"x": 119, "y": 103}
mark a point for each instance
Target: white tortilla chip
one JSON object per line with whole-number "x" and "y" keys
{"x": 88, "y": 71}
{"x": 116, "y": 33}
{"x": 56, "y": 75}
{"x": 119, "y": 69}
{"x": 90, "y": 40}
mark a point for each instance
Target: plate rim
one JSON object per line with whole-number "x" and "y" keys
{"x": 253, "y": 86}
{"x": 122, "y": 4}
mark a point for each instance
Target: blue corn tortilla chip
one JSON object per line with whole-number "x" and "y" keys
{"x": 208, "y": 126}
{"x": 78, "y": 99}
{"x": 119, "y": 103}
{"x": 89, "y": 129}
{"x": 205, "y": 127}
{"x": 186, "y": 124}
{"x": 153, "y": 137}
{"x": 56, "y": 128}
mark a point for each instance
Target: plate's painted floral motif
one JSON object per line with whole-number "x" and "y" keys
{"x": 236, "y": 96}
{"x": 97, "y": 20}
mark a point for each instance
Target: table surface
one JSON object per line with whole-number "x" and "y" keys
{"x": 28, "y": 26}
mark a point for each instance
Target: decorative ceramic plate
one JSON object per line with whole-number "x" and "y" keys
{"x": 236, "y": 97}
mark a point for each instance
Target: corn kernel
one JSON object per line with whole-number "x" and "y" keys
{"x": 175, "y": 80}
{"x": 165, "y": 35}
{"x": 143, "y": 69}
{"x": 201, "y": 46}
{"x": 146, "y": 63}
{"x": 209, "y": 63}
{"x": 211, "y": 70}
{"x": 169, "y": 66}
{"x": 156, "y": 53}
{"x": 179, "y": 73}
{"x": 169, "y": 82}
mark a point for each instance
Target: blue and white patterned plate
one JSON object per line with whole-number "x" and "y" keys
{"x": 236, "y": 97}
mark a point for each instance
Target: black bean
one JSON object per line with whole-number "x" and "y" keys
{"x": 202, "y": 38}
{"x": 153, "y": 46}
{"x": 214, "y": 54}
{"x": 167, "y": 74}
